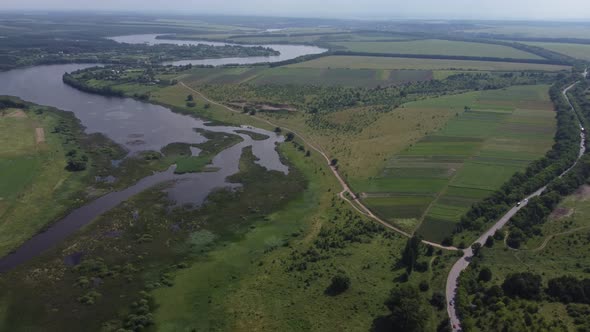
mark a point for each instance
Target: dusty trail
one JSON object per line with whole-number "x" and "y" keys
{"x": 463, "y": 262}
{"x": 346, "y": 191}
{"x": 552, "y": 236}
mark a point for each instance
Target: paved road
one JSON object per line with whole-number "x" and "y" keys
{"x": 463, "y": 263}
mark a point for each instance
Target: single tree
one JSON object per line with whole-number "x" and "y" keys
{"x": 485, "y": 274}
{"x": 340, "y": 283}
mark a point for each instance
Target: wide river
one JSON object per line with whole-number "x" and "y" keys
{"x": 127, "y": 121}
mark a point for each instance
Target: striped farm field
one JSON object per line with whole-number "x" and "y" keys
{"x": 492, "y": 135}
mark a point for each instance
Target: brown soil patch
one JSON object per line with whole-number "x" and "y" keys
{"x": 40, "y": 134}
{"x": 583, "y": 193}
{"x": 561, "y": 212}
{"x": 267, "y": 107}
{"x": 17, "y": 114}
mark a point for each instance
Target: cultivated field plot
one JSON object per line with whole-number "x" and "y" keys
{"x": 492, "y": 135}
{"x": 436, "y": 47}
{"x": 324, "y": 76}
{"x": 369, "y": 62}
{"x": 578, "y": 51}
{"x": 342, "y": 77}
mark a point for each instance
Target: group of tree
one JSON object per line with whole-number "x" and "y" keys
{"x": 568, "y": 289}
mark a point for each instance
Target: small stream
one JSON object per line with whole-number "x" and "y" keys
{"x": 137, "y": 126}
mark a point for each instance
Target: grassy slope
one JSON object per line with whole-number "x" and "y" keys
{"x": 435, "y": 46}
{"x": 367, "y": 62}
{"x": 34, "y": 186}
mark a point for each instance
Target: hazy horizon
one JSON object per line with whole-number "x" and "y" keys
{"x": 375, "y": 9}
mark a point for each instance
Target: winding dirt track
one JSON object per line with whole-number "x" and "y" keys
{"x": 346, "y": 191}
{"x": 463, "y": 262}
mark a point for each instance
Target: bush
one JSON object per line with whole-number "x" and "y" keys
{"x": 485, "y": 274}
{"x": 424, "y": 286}
{"x": 438, "y": 300}
{"x": 340, "y": 283}
{"x": 89, "y": 298}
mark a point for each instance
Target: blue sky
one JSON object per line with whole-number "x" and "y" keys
{"x": 463, "y": 9}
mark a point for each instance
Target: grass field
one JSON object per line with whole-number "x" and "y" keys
{"x": 292, "y": 75}
{"x": 436, "y": 46}
{"x": 367, "y": 62}
{"x": 35, "y": 188}
{"x": 578, "y": 51}
{"x": 477, "y": 151}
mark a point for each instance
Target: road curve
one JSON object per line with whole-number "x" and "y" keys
{"x": 346, "y": 194}
{"x": 463, "y": 262}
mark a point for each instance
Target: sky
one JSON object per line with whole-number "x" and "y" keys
{"x": 444, "y": 9}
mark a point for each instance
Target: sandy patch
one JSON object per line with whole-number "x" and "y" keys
{"x": 40, "y": 134}
{"x": 561, "y": 213}
{"x": 583, "y": 193}
{"x": 20, "y": 114}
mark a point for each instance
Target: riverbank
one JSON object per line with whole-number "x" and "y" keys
{"x": 49, "y": 167}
